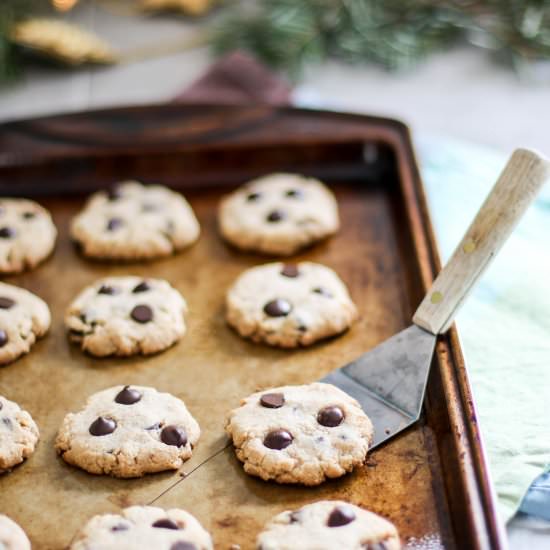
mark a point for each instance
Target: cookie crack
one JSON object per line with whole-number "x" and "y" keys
{"x": 169, "y": 237}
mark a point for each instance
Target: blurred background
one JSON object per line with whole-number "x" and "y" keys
{"x": 475, "y": 70}
{"x": 472, "y": 79}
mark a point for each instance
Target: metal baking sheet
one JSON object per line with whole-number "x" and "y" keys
{"x": 431, "y": 481}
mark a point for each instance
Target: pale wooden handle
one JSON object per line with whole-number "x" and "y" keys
{"x": 513, "y": 192}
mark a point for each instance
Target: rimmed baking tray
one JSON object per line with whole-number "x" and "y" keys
{"x": 432, "y": 480}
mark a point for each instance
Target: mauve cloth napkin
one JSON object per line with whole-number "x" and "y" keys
{"x": 238, "y": 78}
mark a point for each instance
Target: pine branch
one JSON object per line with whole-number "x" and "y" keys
{"x": 391, "y": 33}
{"x": 395, "y": 34}
{"x": 285, "y": 34}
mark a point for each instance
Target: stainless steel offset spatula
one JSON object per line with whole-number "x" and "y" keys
{"x": 389, "y": 381}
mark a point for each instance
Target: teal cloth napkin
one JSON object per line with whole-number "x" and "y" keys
{"x": 505, "y": 324}
{"x": 537, "y": 500}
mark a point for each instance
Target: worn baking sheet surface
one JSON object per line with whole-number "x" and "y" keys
{"x": 211, "y": 369}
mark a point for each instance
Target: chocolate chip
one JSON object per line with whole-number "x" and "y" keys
{"x": 7, "y": 422}
{"x": 6, "y": 303}
{"x": 330, "y": 416}
{"x": 277, "y": 308}
{"x": 322, "y": 291}
{"x": 128, "y": 396}
{"x": 1, "y": 405}
{"x": 290, "y": 270}
{"x": 275, "y": 216}
{"x": 7, "y": 233}
{"x": 102, "y": 426}
{"x": 294, "y": 194}
{"x": 142, "y": 287}
{"x": 119, "y": 527}
{"x": 173, "y": 435}
{"x": 166, "y": 523}
{"x": 3, "y": 338}
{"x": 183, "y": 545}
{"x": 253, "y": 197}
{"x": 114, "y": 193}
{"x": 341, "y": 515}
{"x": 106, "y": 289}
{"x": 278, "y": 440}
{"x": 29, "y": 215}
{"x": 142, "y": 314}
{"x": 295, "y": 517}
{"x": 114, "y": 223}
{"x": 272, "y": 400}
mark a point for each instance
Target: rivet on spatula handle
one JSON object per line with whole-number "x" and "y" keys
{"x": 515, "y": 189}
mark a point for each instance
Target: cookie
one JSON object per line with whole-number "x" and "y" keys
{"x": 126, "y": 316}
{"x": 18, "y": 435}
{"x": 300, "y": 434}
{"x": 329, "y": 525}
{"x": 27, "y": 235}
{"x": 189, "y": 7}
{"x": 278, "y": 214}
{"x": 12, "y": 537}
{"x": 128, "y": 431}
{"x": 61, "y": 41}
{"x": 143, "y": 527}
{"x": 24, "y": 317}
{"x": 135, "y": 222}
{"x": 289, "y": 305}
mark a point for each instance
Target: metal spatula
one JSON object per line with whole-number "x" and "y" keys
{"x": 390, "y": 380}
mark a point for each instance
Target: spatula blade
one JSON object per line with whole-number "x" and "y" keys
{"x": 389, "y": 381}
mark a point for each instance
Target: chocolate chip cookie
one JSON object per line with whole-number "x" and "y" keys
{"x": 12, "y": 537}
{"x": 24, "y": 318}
{"x": 300, "y": 434}
{"x": 18, "y": 434}
{"x": 126, "y": 316}
{"x": 289, "y": 305}
{"x": 329, "y": 525}
{"x": 27, "y": 234}
{"x": 144, "y": 528}
{"x": 128, "y": 431}
{"x": 135, "y": 222}
{"x": 278, "y": 214}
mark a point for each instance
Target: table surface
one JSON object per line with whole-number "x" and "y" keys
{"x": 461, "y": 93}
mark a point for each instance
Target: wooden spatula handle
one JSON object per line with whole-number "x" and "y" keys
{"x": 513, "y": 192}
